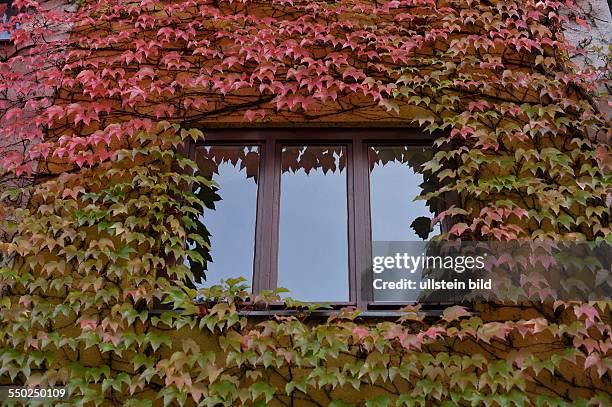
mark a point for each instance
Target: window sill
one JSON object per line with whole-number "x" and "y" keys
{"x": 432, "y": 312}
{"x": 369, "y": 314}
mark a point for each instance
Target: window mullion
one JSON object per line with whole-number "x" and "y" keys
{"x": 362, "y": 223}
{"x": 264, "y": 249}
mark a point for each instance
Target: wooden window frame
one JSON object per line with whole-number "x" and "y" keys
{"x": 357, "y": 143}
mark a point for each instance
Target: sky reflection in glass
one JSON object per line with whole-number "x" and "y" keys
{"x": 394, "y": 184}
{"x": 313, "y": 246}
{"x": 232, "y": 222}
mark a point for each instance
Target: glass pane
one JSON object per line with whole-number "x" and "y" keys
{"x": 396, "y": 179}
{"x": 313, "y": 245}
{"x": 231, "y": 223}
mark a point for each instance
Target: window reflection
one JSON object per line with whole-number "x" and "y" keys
{"x": 396, "y": 179}
{"x": 313, "y": 243}
{"x": 231, "y": 223}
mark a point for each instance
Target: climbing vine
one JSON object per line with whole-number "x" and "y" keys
{"x": 97, "y": 100}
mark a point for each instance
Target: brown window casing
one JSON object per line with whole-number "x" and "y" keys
{"x": 357, "y": 142}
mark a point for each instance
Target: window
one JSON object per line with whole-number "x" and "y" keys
{"x": 300, "y": 208}
{"x": 7, "y": 13}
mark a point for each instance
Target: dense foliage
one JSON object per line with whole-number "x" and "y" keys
{"x": 96, "y": 102}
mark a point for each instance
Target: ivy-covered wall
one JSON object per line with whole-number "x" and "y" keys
{"x": 95, "y": 216}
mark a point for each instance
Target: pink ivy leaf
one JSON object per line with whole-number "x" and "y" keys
{"x": 250, "y": 115}
{"x": 590, "y": 312}
{"x": 583, "y": 23}
{"x": 591, "y": 360}
{"x": 458, "y": 229}
{"x": 455, "y": 312}
{"x": 361, "y": 332}
{"x": 88, "y": 324}
{"x": 434, "y": 332}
